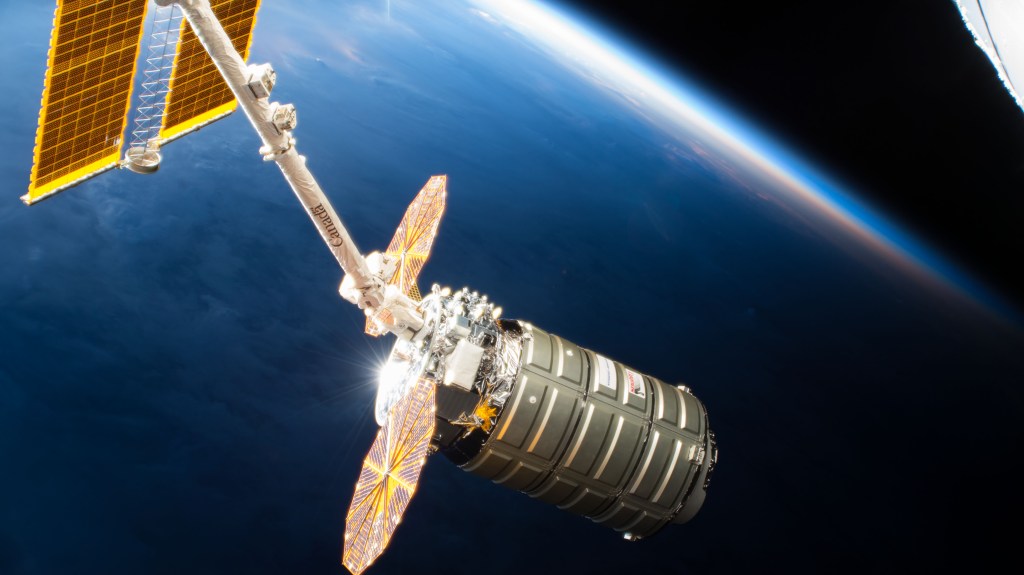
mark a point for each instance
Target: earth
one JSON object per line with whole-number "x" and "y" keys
{"x": 183, "y": 391}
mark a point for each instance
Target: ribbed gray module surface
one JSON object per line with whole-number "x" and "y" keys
{"x": 599, "y": 439}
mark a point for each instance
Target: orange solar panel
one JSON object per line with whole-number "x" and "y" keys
{"x": 412, "y": 242}
{"x": 198, "y": 94}
{"x": 87, "y": 92}
{"x": 388, "y": 480}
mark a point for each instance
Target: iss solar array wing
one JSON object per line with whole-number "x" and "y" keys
{"x": 198, "y": 94}
{"x": 91, "y": 73}
{"x": 94, "y": 47}
{"x": 998, "y": 28}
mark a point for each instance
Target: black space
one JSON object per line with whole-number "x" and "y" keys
{"x": 893, "y": 99}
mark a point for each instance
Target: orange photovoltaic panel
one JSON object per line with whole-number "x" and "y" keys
{"x": 388, "y": 480}
{"x": 198, "y": 94}
{"x": 413, "y": 239}
{"x": 415, "y": 234}
{"x": 87, "y": 92}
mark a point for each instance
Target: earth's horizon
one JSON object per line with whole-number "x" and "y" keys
{"x": 182, "y": 389}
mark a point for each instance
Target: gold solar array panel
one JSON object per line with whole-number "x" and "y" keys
{"x": 87, "y": 92}
{"x": 416, "y": 232}
{"x": 388, "y": 480}
{"x": 198, "y": 94}
{"x": 412, "y": 242}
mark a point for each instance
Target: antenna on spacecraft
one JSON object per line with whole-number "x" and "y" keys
{"x": 501, "y": 398}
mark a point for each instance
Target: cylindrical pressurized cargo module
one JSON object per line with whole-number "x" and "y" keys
{"x": 534, "y": 412}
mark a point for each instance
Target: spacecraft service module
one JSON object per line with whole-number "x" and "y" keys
{"x": 501, "y": 398}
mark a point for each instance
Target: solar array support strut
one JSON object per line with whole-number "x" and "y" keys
{"x": 273, "y": 122}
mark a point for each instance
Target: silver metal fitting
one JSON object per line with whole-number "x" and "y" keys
{"x": 262, "y": 79}
{"x": 270, "y": 154}
{"x": 284, "y": 117}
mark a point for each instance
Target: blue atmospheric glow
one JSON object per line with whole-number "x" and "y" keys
{"x": 777, "y": 154}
